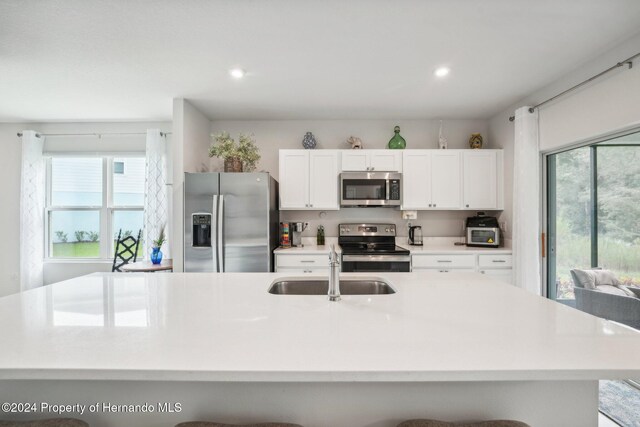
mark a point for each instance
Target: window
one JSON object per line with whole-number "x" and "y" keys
{"x": 89, "y": 198}
{"x": 593, "y": 212}
{"x": 118, "y": 168}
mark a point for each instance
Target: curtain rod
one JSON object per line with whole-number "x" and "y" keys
{"x": 95, "y": 134}
{"x": 628, "y": 62}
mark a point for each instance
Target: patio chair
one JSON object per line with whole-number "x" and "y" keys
{"x": 126, "y": 250}
{"x": 598, "y": 292}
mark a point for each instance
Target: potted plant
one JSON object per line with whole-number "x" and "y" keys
{"x": 238, "y": 157}
{"x": 156, "y": 253}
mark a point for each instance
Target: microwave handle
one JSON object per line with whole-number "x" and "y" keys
{"x": 388, "y": 189}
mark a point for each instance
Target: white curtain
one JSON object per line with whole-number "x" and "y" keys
{"x": 156, "y": 201}
{"x": 526, "y": 202}
{"x": 32, "y": 194}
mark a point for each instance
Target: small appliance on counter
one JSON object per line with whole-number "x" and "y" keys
{"x": 415, "y": 235}
{"x": 483, "y": 231}
{"x": 296, "y": 233}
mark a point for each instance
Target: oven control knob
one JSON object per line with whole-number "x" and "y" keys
{"x": 387, "y": 230}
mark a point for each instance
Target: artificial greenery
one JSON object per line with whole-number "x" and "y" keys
{"x": 157, "y": 243}
{"x": 245, "y": 150}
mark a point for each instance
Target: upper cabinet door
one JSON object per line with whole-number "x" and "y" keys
{"x": 324, "y": 167}
{"x": 385, "y": 160}
{"x": 355, "y": 160}
{"x": 480, "y": 179}
{"x": 446, "y": 179}
{"x": 416, "y": 179}
{"x": 294, "y": 179}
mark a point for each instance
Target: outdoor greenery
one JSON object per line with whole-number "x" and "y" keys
{"x": 81, "y": 250}
{"x": 618, "y": 186}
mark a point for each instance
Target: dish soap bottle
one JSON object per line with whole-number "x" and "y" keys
{"x": 397, "y": 142}
{"x": 320, "y": 236}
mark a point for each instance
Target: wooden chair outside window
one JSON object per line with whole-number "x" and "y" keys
{"x": 126, "y": 250}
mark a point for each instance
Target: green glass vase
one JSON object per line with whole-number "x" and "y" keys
{"x": 397, "y": 142}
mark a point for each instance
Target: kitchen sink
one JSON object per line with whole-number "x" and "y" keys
{"x": 298, "y": 286}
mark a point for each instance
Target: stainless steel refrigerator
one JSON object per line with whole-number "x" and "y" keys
{"x": 230, "y": 222}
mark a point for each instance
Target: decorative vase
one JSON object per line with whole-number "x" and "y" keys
{"x": 309, "y": 141}
{"x": 397, "y": 142}
{"x": 475, "y": 141}
{"x": 442, "y": 141}
{"x": 232, "y": 164}
{"x": 156, "y": 256}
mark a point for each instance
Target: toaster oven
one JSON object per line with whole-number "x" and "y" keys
{"x": 483, "y": 231}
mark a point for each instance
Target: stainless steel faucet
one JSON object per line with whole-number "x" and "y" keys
{"x": 334, "y": 275}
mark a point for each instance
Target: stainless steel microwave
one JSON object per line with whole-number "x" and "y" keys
{"x": 370, "y": 189}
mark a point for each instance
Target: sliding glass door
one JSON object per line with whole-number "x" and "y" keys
{"x": 593, "y": 215}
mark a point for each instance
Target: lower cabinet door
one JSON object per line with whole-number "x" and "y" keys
{"x": 503, "y": 275}
{"x": 303, "y": 271}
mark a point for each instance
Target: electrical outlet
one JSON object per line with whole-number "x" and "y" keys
{"x": 409, "y": 214}
{"x": 503, "y": 226}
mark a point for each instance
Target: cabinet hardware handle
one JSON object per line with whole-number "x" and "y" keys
{"x": 307, "y": 271}
{"x": 305, "y": 260}
{"x": 429, "y": 204}
{"x": 310, "y": 206}
{"x": 499, "y": 260}
{"x": 444, "y": 271}
{"x": 372, "y": 168}
{"x": 444, "y": 260}
{"x": 467, "y": 205}
{"x": 434, "y": 205}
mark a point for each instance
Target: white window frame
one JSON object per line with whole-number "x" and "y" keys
{"x": 106, "y": 211}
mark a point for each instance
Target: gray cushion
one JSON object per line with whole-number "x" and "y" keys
{"x": 436, "y": 423}
{"x": 589, "y": 279}
{"x": 613, "y": 290}
{"x": 52, "y": 422}
{"x": 633, "y": 291}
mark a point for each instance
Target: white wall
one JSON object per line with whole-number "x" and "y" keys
{"x": 190, "y": 144}
{"x": 272, "y": 135}
{"x": 10, "y": 187}
{"x": 602, "y": 107}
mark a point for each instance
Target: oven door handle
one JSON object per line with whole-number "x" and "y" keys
{"x": 376, "y": 258}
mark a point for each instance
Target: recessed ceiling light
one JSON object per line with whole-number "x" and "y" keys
{"x": 442, "y": 71}
{"x": 237, "y": 73}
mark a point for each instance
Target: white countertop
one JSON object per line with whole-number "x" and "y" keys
{"x": 226, "y": 327}
{"x": 432, "y": 245}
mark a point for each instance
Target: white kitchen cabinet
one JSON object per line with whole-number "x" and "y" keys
{"x": 447, "y": 261}
{"x": 372, "y": 160}
{"x": 498, "y": 266}
{"x": 504, "y": 275}
{"x": 431, "y": 179}
{"x": 483, "y": 179}
{"x": 302, "y": 264}
{"x": 294, "y": 179}
{"x": 309, "y": 179}
{"x": 324, "y": 172}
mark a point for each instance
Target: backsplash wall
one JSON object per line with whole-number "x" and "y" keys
{"x": 273, "y": 135}
{"x": 434, "y": 223}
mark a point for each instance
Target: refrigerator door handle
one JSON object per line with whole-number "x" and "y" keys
{"x": 214, "y": 233}
{"x": 220, "y": 233}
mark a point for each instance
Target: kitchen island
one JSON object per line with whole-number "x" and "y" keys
{"x": 457, "y": 346}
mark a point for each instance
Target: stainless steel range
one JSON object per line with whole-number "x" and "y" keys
{"x": 372, "y": 248}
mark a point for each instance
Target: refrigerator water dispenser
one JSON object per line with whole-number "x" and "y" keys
{"x": 201, "y": 230}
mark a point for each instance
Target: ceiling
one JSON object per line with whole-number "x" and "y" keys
{"x": 88, "y": 60}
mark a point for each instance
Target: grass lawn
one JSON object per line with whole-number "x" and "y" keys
{"x": 81, "y": 250}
